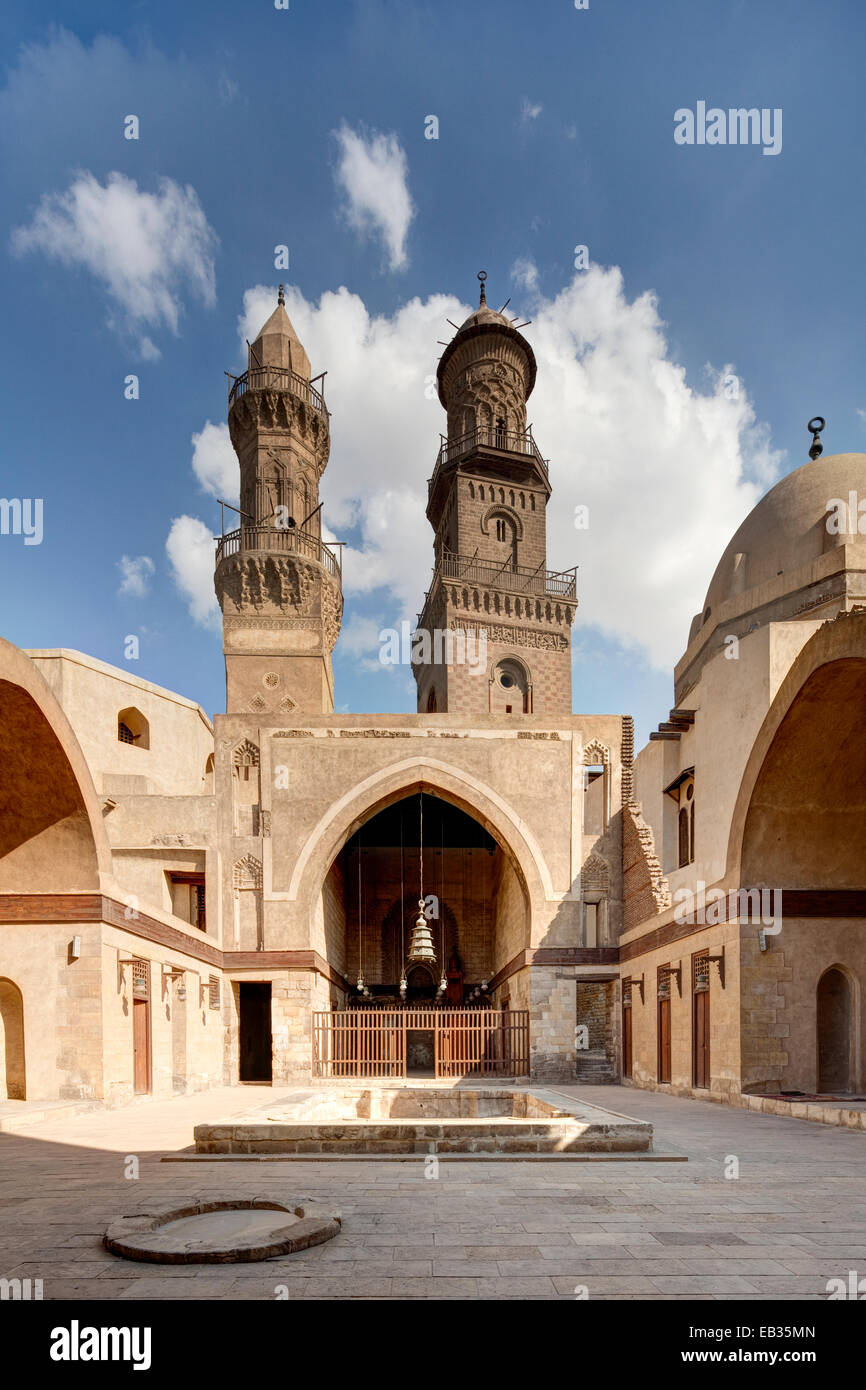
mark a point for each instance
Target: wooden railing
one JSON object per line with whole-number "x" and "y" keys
{"x": 516, "y": 579}
{"x": 277, "y": 379}
{"x": 466, "y": 1042}
{"x": 280, "y": 539}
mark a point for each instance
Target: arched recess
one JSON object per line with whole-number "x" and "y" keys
{"x": 52, "y": 838}
{"x": 365, "y": 799}
{"x": 500, "y": 509}
{"x": 13, "y": 1083}
{"x": 133, "y": 728}
{"x": 476, "y": 905}
{"x": 510, "y": 686}
{"x": 800, "y": 816}
{"x": 835, "y": 1013}
{"x": 313, "y": 883}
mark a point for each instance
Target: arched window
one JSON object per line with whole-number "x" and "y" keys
{"x": 132, "y": 727}
{"x": 208, "y": 778}
{"x": 501, "y": 533}
{"x": 510, "y": 691}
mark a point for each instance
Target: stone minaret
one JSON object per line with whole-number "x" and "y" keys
{"x": 487, "y": 501}
{"x": 278, "y": 584}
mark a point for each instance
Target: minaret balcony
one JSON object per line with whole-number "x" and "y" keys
{"x": 277, "y": 379}
{"x": 283, "y": 541}
{"x": 499, "y": 445}
{"x": 514, "y": 579}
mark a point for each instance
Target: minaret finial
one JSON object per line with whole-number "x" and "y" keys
{"x": 281, "y": 298}
{"x": 482, "y": 276}
{"x": 815, "y": 426}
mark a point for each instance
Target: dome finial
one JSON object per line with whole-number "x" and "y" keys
{"x": 281, "y": 298}
{"x": 815, "y": 426}
{"x": 482, "y": 276}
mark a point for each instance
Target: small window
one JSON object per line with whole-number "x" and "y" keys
{"x": 684, "y": 838}
{"x": 132, "y": 727}
{"x": 500, "y": 529}
{"x": 188, "y": 899}
{"x": 590, "y": 924}
{"x": 213, "y": 991}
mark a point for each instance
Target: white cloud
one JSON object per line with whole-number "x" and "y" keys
{"x": 524, "y": 272}
{"x": 530, "y": 111}
{"x": 136, "y": 574}
{"x": 145, "y": 249}
{"x": 372, "y": 173}
{"x": 667, "y": 471}
{"x": 215, "y": 463}
{"x": 190, "y": 549}
{"x": 359, "y": 638}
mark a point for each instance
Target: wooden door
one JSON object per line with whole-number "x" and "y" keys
{"x": 141, "y": 1046}
{"x": 701, "y": 1039}
{"x": 664, "y": 1060}
{"x": 626, "y": 1039}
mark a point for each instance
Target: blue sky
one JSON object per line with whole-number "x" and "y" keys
{"x": 555, "y": 129}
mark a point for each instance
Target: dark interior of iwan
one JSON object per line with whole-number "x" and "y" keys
{"x": 423, "y": 848}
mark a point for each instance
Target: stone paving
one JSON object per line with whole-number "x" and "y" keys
{"x": 538, "y": 1229}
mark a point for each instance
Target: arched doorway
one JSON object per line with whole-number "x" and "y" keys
{"x": 13, "y": 1084}
{"x": 833, "y": 1029}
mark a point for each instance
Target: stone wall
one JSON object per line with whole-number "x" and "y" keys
{"x": 645, "y": 889}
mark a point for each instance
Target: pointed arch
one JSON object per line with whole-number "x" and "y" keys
{"x": 389, "y": 784}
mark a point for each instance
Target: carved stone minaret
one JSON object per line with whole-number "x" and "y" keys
{"x": 278, "y": 584}
{"x": 495, "y": 633}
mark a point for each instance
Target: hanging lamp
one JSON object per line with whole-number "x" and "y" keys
{"x": 421, "y": 944}
{"x": 360, "y": 985}
{"x": 404, "y": 984}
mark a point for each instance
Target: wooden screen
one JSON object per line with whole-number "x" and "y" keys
{"x": 465, "y": 1042}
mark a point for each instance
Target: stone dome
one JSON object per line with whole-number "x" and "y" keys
{"x": 787, "y": 529}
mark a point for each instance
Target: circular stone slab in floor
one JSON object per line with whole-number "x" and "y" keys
{"x": 220, "y": 1232}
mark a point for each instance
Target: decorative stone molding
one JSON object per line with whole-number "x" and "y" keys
{"x": 246, "y": 754}
{"x": 595, "y": 875}
{"x": 596, "y": 752}
{"x": 627, "y": 760}
{"x": 247, "y": 873}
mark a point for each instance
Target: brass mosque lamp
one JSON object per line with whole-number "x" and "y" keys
{"x": 421, "y": 949}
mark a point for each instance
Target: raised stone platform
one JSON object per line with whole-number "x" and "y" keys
{"x": 366, "y": 1118}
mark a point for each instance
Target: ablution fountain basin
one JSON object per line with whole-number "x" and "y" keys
{"x": 388, "y": 1119}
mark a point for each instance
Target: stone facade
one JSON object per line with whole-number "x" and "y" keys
{"x": 180, "y": 900}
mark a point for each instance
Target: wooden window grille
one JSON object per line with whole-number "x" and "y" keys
{"x": 213, "y": 992}
{"x": 125, "y": 734}
{"x": 140, "y": 977}
{"x": 626, "y": 994}
{"x": 200, "y": 915}
{"x": 664, "y": 982}
{"x": 701, "y": 971}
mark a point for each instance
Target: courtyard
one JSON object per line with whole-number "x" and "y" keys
{"x": 665, "y": 1226}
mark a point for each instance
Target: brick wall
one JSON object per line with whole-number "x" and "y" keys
{"x": 645, "y": 889}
